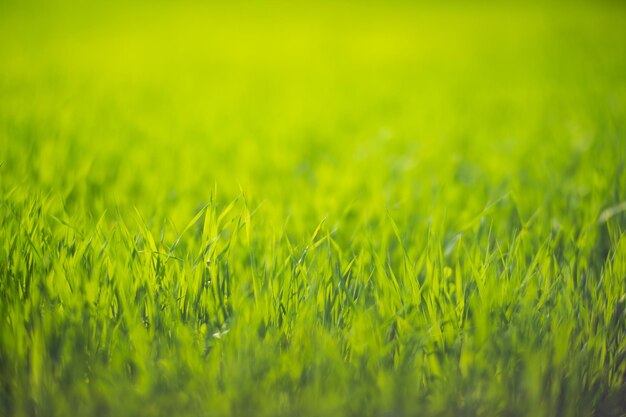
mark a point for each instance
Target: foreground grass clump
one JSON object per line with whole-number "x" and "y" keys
{"x": 322, "y": 210}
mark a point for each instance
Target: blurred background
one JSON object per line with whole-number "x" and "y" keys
{"x": 329, "y": 103}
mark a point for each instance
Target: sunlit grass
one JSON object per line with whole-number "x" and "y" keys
{"x": 325, "y": 209}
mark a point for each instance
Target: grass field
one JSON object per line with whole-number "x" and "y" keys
{"x": 325, "y": 209}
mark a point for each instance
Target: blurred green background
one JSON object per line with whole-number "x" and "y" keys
{"x": 323, "y": 102}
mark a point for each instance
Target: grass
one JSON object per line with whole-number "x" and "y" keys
{"x": 332, "y": 209}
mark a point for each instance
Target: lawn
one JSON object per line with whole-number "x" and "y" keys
{"x": 321, "y": 209}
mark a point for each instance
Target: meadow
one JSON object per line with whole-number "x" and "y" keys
{"x": 318, "y": 209}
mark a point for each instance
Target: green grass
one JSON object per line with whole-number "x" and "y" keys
{"x": 332, "y": 209}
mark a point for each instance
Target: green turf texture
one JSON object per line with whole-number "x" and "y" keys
{"x": 323, "y": 209}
